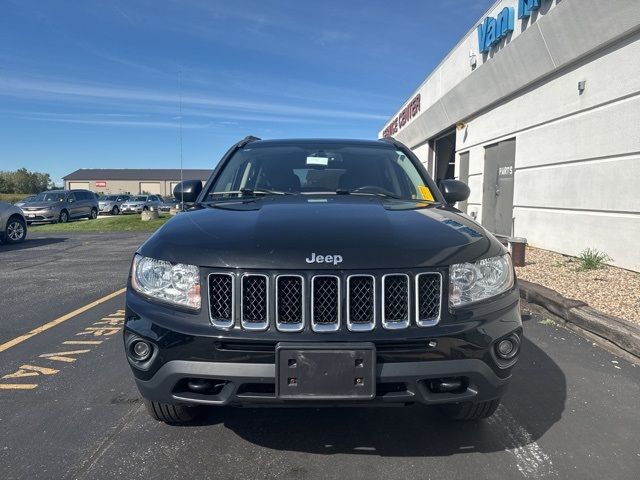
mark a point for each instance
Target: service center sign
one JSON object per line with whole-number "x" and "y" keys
{"x": 101, "y": 184}
{"x": 411, "y": 110}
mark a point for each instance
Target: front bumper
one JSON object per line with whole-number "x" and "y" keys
{"x": 129, "y": 209}
{"x": 41, "y": 216}
{"x": 254, "y": 383}
{"x": 242, "y": 364}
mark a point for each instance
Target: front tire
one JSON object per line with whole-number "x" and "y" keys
{"x": 15, "y": 231}
{"x": 115, "y": 211}
{"x": 64, "y": 216}
{"x": 94, "y": 214}
{"x": 470, "y": 410}
{"x": 171, "y": 414}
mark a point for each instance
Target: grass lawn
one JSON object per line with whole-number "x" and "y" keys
{"x": 120, "y": 223}
{"x": 13, "y": 197}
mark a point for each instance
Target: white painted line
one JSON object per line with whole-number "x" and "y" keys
{"x": 531, "y": 460}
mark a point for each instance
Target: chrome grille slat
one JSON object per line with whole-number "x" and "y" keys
{"x": 361, "y": 303}
{"x": 401, "y": 297}
{"x": 325, "y": 303}
{"x": 428, "y": 295}
{"x": 290, "y": 304}
{"x": 221, "y": 299}
{"x": 395, "y": 301}
{"x": 255, "y": 302}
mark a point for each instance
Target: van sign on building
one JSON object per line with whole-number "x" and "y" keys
{"x": 525, "y": 7}
{"x": 492, "y": 30}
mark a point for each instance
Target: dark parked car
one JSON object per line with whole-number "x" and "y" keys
{"x": 61, "y": 206}
{"x": 13, "y": 227}
{"x": 322, "y": 272}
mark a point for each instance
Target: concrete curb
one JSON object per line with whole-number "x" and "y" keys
{"x": 622, "y": 333}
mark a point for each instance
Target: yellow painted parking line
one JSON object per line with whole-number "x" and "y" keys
{"x": 31, "y": 371}
{"x": 82, "y": 342}
{"x": 58, "y": 321}
{"x": 63, "y": 356}
{"x": 18, "y": 386}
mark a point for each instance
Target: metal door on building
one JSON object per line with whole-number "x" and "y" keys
{"x": 463, "y": 176}
{"x": 497, "y": 195}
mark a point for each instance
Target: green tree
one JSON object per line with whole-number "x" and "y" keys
{"x": 24, "y": 181}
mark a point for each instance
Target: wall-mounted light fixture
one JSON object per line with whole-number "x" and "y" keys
{"x": 582, "y": 84}
{"x": 473, "y": 60}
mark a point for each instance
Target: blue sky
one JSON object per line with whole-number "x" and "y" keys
{"x": 96, "y": 84}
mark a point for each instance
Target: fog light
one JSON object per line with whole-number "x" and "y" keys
{"x": 140, "y": 350}
{"x": 507, "y": 348}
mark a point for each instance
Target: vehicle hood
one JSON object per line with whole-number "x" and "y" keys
{"x": 134, "y": 204}
{"x": 283, "y": 232}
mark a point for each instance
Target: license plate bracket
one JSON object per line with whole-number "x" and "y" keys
{"x": 326, "y": 371}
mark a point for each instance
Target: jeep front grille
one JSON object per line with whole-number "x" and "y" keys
{"x": 325, "y": 303}
{"x": 255, "y": 302}
{"x": 361, "y": 302}
{"x": 314, "y": 300}
{"x": 395, "y": 301}
{"x": 290, "y": 303}
{"x": 221, "y": 299}
{"x": 428, "y": 287}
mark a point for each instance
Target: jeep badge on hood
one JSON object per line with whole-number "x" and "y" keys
{"x": 335, "y": 259}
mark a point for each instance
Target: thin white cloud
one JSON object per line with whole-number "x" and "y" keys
{"x": 60, "y": 90}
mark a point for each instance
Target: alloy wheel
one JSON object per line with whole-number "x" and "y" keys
{"x": 15, "y": 230}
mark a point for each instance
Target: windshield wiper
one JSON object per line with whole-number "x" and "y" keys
{"x": 365, "y": 191}
{"x": 245, "y": 192}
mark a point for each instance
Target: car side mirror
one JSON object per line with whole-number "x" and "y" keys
{"x": 187, "y": 190}
{"x": 454, "y": 191}
{"x": 70, "y": 200}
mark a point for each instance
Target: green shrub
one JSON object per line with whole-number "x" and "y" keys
{"x": 592, "y": 259}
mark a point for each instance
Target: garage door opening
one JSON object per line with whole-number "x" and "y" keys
{"x": 445, "y": 156}
{"x": 152, "y": 188}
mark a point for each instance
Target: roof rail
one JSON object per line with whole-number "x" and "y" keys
{"x": 245, "y": 140}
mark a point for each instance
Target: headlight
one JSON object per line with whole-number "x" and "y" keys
{"x": 473, "y": 282}
{"x": 173, "y": 283}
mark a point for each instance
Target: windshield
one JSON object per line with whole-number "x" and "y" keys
{"x": 109, "y": 198}
{"x": 139, "y": 198}
{"x": 322, "y": 168}
{"x": 50, "y": 197}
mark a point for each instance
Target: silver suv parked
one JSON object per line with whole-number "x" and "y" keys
{"x": 61, "y": 206}
{"x": 139, "y": 203}
{"x": 13, "y": 228}
{"x": 111, "y": 203}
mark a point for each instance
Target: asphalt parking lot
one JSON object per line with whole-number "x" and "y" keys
{"x": 69, "y": 408}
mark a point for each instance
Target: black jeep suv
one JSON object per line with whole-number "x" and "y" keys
{"x": 321, "y": 272}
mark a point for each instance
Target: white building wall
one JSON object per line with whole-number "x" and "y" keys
{"x": 577, "y": 156}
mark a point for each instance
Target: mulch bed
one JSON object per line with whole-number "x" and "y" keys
{"x": 612, "y": 290}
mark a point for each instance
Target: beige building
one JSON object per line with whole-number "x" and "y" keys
{"x": 131, "y": 180}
